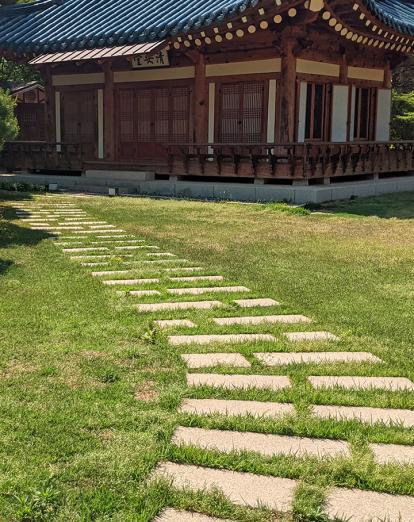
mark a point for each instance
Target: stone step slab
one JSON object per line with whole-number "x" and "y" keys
{"x": 100, "y": 256}
{"x": 160, "y": 254}
{"x": 183, "y": 269}
{"x": 283, "y": 358}
{"x": 197, "y": 278}
{"x": 174, "y": 323}
{"x": 362, "y": 383}
{"x": 135, "y": 247}
{"x": 177, "y": 340}
{"x": 104, "y": 273}
{"x": 100, "y": 231}
{"x": 236, "y": 408}
{"x": 117, "y": 282}
{"x": 117, "y": 241}
{"x": 356, "y": 505}
{"x": 99, "y": 263}
{"x": 180, "y": 305}
{"x": 139, "y": 293}
{"x": 86, "y": 249}
{"x": 207, "y": 290}
{"x": 245, "y": 489}
{"x": 261, "y": 319}
{"x": 310, "y": 336}
{"x": 208, "y": 360}
{"x": 387, "y": 416}
{"x": 83, "y": 223}
{"x": 266, "y": 445}
{"x": 175, "y": 515}
{"x": 239, "y": 382}
{"x": 252, "y": 303}
{"x": 393, "y": 454}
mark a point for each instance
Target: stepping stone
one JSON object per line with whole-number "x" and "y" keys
{"x": 266, "y": 445}
{"x": 135, "y": 247}
{"x": 198, "y": 278}
{"x": 98, "y": 231}
{"x": 72, "y": 222}
{"x": 386, "y": 416}
{"x": 240, "y": 382}
{"x": 107, "y": 237}
{"x": 177, "y": 340}
{"x": 174, "y": 515}
{"x": 33, "y": 225}
{"x": 110, "y": 273}
{"x": 56, "y": 228}
{"x": 183, "y": 269}
{"x": 181, "y": 305}
{"x": 207, "y": 290}
{"x": 114, "y": 282}
{"x": 92, "y": 249}
{"x": 235, "y": 408}
{"x": 282, "y": 358}
{"x": 156, "y": 254}
{"x": 310, "y": 336}
{"x": 362, "y": 383}
{"x": 68, "y": 243}
{"x": 102, "y": 226}
{"x": 101, "y": 263}
{"x": 173, "y": 323}
{"x": 140, "y": 293}
{"x": 103, "y": 256}
{"x": 393, "y": 454}
{"x": 356, "y": 505}
{"x": 207, "y": 360}
{"x": 251, "y": 303}
{"x": 260, "y": 319}
{"x": 245, "y": 489}
{"x": 161, "y": 261}
{"x": 111, "y": 241}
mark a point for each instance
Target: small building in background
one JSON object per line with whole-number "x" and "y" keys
{"x": 30, "y": 110}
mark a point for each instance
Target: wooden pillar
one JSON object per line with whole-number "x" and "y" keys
{"x": 109, "y": 112}
{"x": 200, "y": 100}
{"x": 50, "y": 117}
{"x": 343, "y": 70}
{"x": 288, "y": 91}
{"x": 387, "y": 75}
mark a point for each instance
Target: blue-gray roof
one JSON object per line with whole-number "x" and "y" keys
{"x": 65, "y": 25}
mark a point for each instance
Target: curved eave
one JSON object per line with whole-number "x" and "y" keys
{"x": 389, "y": 20}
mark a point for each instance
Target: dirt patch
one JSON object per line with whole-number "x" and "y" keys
{"x": 16, "y": 369}
{"x": 146, "y": 392}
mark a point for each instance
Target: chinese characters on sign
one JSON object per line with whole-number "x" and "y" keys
{"x": 159, "y": 59}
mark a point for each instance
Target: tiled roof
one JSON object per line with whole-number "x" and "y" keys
{"x": 69, "y": 25}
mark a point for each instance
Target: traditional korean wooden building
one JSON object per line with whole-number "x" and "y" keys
{"x": 30, "y": 110}
{"x": 255, "y": 90}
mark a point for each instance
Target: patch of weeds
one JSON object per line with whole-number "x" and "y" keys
{"x": 109, "y": 377}
{"x": 308, "y": 504}
{"x": 150, "y": 336}
{"x": 37, "y": 505}
{"x": 48, "y": 371}
{"x": 287, "y": 209}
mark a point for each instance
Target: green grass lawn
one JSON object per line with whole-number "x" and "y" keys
{"x": 89, "y": 389}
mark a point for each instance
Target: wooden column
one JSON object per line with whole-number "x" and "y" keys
{"x": 288, "y": 91}
{"x": 343, "y": 70}
{"x": 387, "y": 75}
{"x": 200, "y": 100}
{"x": 109, "y": 112}
{"x": 50, "y": 117}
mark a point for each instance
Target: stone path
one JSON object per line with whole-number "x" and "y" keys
{"x": 162, "y": 279}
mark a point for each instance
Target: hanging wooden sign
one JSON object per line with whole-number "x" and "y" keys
{"x": 143, "y": 61}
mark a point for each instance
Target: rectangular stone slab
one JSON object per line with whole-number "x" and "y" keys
{"x": 245, "y": 489}
{"x": 115, "y": 282}
{"x": 393, "y": 454}
{"x": 283, "y": 358}
{"x": 207, "y": 290}
{"x": 310, "y": 336}
{"x": 100, "y": 231}
{"x": 388, "y": 416}
{"x": 93, "y": 256}
{"x": 177, "y": 340}
{"x": 135, "y": 247}
{"x": 266, "y": 445}
{"x": 110, "y": 273}
{"x": 260, "y": 319}
{"x": 72, "y": 222}
{"x": 207, "y": 360}
{"x": 236, "y": 408}
{"x": 362, "y": 383}
{"x": 173, "y": 323}
{"x": 251, "y": 303}
{"x": 160, "y": 254}
{"x": 174, "y": 515}
{"x": 101, "y": 263}
{"x": 198, "y": 278}
{"x": 355, "y": 505}
{"x": 183, "y": 269}
{"x": 86, "y": 249}
{"x": 139, "y": 293}
{"x": 241, "y": 382}
{"x": 181, "y": 305}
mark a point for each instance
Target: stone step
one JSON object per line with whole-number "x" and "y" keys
{"x": 139, "y": 293}
{"x": 99, "y": 256}
{"x": 283, "y": 358}
{"x": 245, "y": 489}
{"x": 116, "y": 241}
{"x": 98, "y": 227}
{"x": 310, "y": 336}
{"x": 175, "y": 515}
{"x": 86, "y": 249}
{"x": 208, "y": 360}
{"x": 97, "y": 232}
{"x": 266, "y": 445}
{"x": 115, "y": 282}
{"x": 177, "y": 340}
{"x": 260, "y": 319}
{"x": 160, "y": 254}
{"x": 388, "y": 416}
{"x": 356, "y": 505}
{"x": 207, "y": 290}
{"x": 180, "y": 305}
{"x": 135, "y": 247}
{"x": 393, "y": 454}
{"x": 240, "y": 382}
{"x": 251, "y": 303}
{"x": 362, "y": 383}
{"x": 110, "y": 273}
{"x": 72, "y": 222}
{"x": 174, "y": 323}
{"x": 183, "y": 269}
{"x": 99, "y": 263}
{"x": 198, "y": 278}
{"x": 57, "y": 228}
{"x": 156, "y": 262}
{"x": 236, "y": 408}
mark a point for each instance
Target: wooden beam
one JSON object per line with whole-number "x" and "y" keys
{"x": 109, "y": 112}
{"x": 200, "y": 100}
{"x": 288, "y": 91}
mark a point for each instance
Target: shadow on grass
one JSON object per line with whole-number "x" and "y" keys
{"x": 398, "y": 205}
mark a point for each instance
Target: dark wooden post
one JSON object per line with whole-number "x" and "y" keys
{"x": 288, "y": 90}
{"x": 50, "y": 117}
{"x": 387, "y": 75}
{"x": 109, "y": 112}
{"x": 200, "y": 100}
{"x": 343, "y": 70}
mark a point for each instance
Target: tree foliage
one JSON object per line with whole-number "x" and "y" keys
{"x": 9, "y": 127}
{"x": 402, "y": 123}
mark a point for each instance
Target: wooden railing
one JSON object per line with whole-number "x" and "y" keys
{"x": 41, "y": 155}
{"x": 295, "y": 160}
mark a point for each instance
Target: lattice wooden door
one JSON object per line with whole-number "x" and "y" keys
{"x": 31, "y": 118}
{"x": 79, "y": 113}
{"x": 241, "y": 112}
